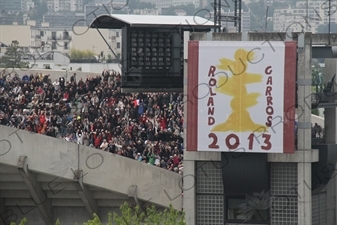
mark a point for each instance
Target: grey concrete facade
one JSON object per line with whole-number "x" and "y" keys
{"x": 44, "y": 178}
{"x": 298, "y": 165}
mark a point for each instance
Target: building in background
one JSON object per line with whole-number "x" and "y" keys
{"x": 11, "y": 5}
{"x": 9, "y": 33}
{"x": 196, "y": 3}
{"x": 41, "y": 39}
{"x": 229, "y": 26}
{"x": 65, "y": 5}
{"x": 294, "y": 19}
{"x": 147, "y": 11}
{"x": 76, "y": 5}
{"x": 91, "y": 11}
{"x": 245, "y": 21}
{"x": 160, "y": 3}
{"x": 64, "y": 19}
{"x": 203, "y": 3}
{"x": 12, "y": 19}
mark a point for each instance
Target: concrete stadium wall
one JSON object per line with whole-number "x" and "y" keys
{"x": 101, "y": 169}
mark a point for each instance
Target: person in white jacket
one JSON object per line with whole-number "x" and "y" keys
{"x": 79, "y": 138}
{"x": 104, "y": 145}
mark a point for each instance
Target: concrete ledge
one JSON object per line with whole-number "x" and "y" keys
{"x": 202, "y": 156}
{"x": 300, "y": 156}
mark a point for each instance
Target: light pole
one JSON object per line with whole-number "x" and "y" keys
{"x": 329, "y": 26}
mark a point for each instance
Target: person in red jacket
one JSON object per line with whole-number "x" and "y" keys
{"x": 97, "y": 140}
{"x": 42, "y": 118}
{"x": 66, "y": 96}
{"x": 176, "y": 160}
{"x": 162, "y": 122}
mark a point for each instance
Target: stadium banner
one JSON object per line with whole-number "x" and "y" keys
{"x": 241, "y": 96}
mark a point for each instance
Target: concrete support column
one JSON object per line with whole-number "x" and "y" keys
{"x": 2, "y": 211}
{"x": 189, "y": 187}
{"x": 189, "y": 177}
{"x": 304, "y": 128}
{"x": 304, "y": 194}
{"x": 304, "y": 91}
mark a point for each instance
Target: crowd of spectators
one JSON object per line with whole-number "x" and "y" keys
{"x": 143, "y": 126}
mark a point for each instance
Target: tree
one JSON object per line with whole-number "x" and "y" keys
{"x": 81, "y": 54}
{"x": 317, "y": 73}
{"x": 323, "y": 29}
{"x": 136, "y": 216}
{"x": 13, "y": 57}
{"x": 40, "y": 8}
{"x": 149, "y": 216}
{"x": 315, "y": 111}
{"x": 23, "y": 222}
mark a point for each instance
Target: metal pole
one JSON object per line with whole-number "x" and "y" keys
{"x": 266, "y": 18}
{"x": 215, "y": 16}
{"x": 329, "y": 28}
{"x": 219, "y": 15}
{"x": 108, "y": 44}
{"x": 240, "y": 16}
{"x": 236, "y": 14}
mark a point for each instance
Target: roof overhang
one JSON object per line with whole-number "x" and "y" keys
{"x": 118, "y": 21}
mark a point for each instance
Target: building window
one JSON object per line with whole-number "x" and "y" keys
{"x": 118, "y": 45}
{"x": 239, "y": 209}
{"x": 65, "y": 45}
{"x": 41, "y": 33}
{"x": 65, "y": 35}
{"x": 117, "y": 34}
{"x": 53, "y": 45}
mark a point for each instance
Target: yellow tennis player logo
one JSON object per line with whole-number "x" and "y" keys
{"x": 236, "y": 86}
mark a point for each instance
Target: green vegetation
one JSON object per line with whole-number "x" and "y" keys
{"x": 315, "y": 111}
{"x": 13, "y": 57}
{"x": 136, "y": 216}
{"x": 81, "y": 54}
{"x": 318, "y": 75}
{"x": 325, "y": 28}
{"x": 23, "y": 222}
{"x": 40, "y": 8}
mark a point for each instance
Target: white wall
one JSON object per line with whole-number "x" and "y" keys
{"x": 94, "y": 67}
{"x": 318, "y": 120}
{"x": 21, "y": 33}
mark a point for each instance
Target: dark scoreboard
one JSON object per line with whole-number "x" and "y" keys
{"x": 152, "y": 58}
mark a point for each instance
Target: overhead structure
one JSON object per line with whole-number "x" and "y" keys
{"x": 219, "y": 17}
{"x": 152, "y": 48}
